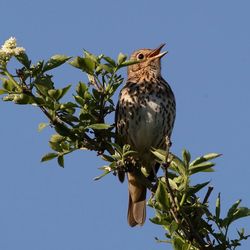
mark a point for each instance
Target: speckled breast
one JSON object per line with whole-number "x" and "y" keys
{"x": 145, "y": 115}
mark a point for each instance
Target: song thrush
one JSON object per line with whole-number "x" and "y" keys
{"x": 145, "y": 117}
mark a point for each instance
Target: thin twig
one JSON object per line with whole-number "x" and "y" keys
{"x": 198, "y": 238}
{"x": 169, "y": 189}
{"x": 166, "y": 165}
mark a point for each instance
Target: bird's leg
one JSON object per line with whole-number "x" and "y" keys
{"x": 152, "y": 178}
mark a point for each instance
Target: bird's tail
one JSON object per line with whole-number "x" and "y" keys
{"x": 137, "y": 201}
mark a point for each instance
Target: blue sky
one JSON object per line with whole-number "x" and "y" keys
{"x": 45, "y": 207}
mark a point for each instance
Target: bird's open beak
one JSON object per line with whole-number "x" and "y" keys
{"x": 156, "y": 53}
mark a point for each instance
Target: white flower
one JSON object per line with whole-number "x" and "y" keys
{"x": 9, "y": 44}
{"x": 19, "y": 50}
{"x": 9, "y": 49}
{"x": 8, "y": 52}
{"x": 3, "y": 56}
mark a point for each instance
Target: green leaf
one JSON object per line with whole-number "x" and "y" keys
{"x": 173, "y": 227}
{"x": 9, "y": 98}
{"x": 87, "y": 95}
{"x": 130, "y": 152}
{"x": 24, "y": 60}
{"x": 42, "y": 125}
{"x": 117, "y": 148}
{"x": 107, "y": 158}
{"x": 127, "y": 63}
{"x": 186, "y": 157}
{"x": 121, "y": 58}
{"x": 8, "y": 85}
{"x": 23, "y": 99}
{"x": 55, "y": 146}
{"x": 60, "y": 160}
{"x": 54, "y": 93}
{"x": 49, "y": 156}
{"x": 217, "y": 209}
{"x": 43, "y": 84}
{"x": 55, "y": 61}
{"x": 91, "y": 56}
{"x": 99, "y": 126}
{"x": 202, "y": 167}
{"x": 110, "y": 61}
{"x": 105, "y": 67}
{"x": 79, "y": 100}
{"x": 160, "y": 154}
{"x": 2, "y": 91}
{"x": 57, "y": 94}
{"x": 65, "y": 146}
{"x": 173, "y": 184}
{"x": 159, "y": 220}
{"x": 197, "y": 188}
{"x": 240, "y": 213}
{"x": 36, "y": 69}
{"x": 65, "y": 90}
{"x": 96, "y": 94}
{"x": 178, "y": 243}
{"x": 68, "y": 105}
{"x": 81, "y": 88}
{"x": 178, "y": 166}
{"x": 231, "y": 214}
{"x": 85, "y": 64}
{"x": 56, "y": 138}
{"x": 102, "y": 175}
{"x": 233, "y": 208}
{"x": 41, "y": 101}
{"x": 62, "y": 129}
{"x": 204, "y": 158}
{"x": 161, "y": 196}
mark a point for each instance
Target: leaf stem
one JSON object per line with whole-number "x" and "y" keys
{"x": 11, "y": 78}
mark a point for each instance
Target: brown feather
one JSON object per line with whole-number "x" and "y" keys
{"x": 145, "y": 117}
{"x": 137, "y": 201}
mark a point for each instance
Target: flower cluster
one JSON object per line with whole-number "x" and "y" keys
{"x": 9, "y": 49}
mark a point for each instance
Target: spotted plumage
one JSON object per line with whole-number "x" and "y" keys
{"x": 144, "y": 118}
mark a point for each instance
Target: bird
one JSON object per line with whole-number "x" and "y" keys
{"x": 145, "y": 116}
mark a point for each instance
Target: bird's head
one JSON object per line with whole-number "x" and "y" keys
{"x": 149, "y": 63}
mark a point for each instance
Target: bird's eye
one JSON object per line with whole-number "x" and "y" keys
{"x": 140, "y": 56}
